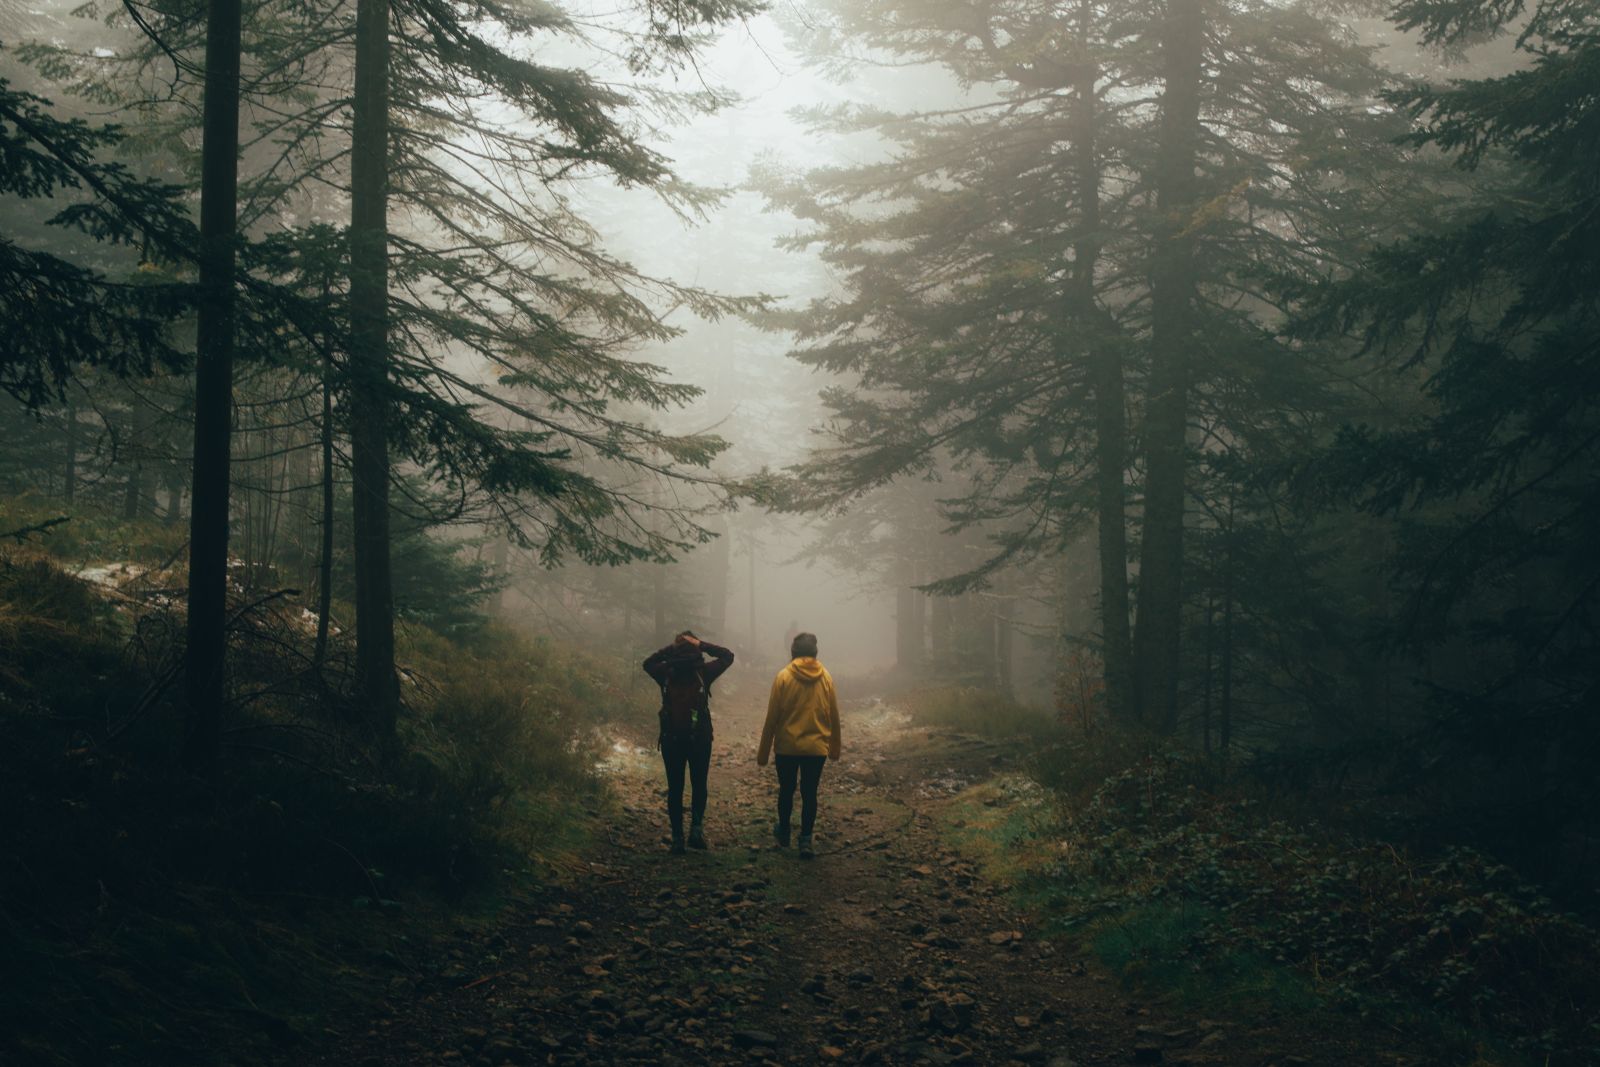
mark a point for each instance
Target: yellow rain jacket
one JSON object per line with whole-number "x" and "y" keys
{"x": 802, "y": 713}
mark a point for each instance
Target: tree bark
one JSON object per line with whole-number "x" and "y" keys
{"x": 319, "y": 655}
{"x": 939, "y": 631}
{"x": 376, "y": 683}
{"x": 1172, "y": 290}
{"x": 70, "y": 488}
{"x": 902, "y": 628}
{"x": 1111, "y": 432}
{"x": 133, "y": 498}
{"x": 174, "y": 496}
{"x": 919, "y": 620}
{"x": 1003, "y": 641}
{"x": 205, "y": 652}
{"x": 720, "y": 562}
{"x": 755, "y": 644}
{"x": 501, "y": 562}
{"x": 658, "y": 601}
{"x": 1226, "y": 737}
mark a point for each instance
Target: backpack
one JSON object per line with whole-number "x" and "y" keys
{"x": 682, "y": 699}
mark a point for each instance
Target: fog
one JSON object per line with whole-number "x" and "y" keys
{"x": 1178, "y": 421}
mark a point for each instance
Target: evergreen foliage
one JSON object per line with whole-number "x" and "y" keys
{"x": 1492, "y": 479}
{"x": 65, "y": 312}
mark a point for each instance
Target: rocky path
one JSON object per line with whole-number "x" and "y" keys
{"x": 891, "y": 947}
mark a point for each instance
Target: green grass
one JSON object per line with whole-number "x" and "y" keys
{"x": 1116, "y": 897}
{"x": 985, "y": 712}
{"x": 1157, "y": 947}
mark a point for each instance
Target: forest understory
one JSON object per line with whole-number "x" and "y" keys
{"x": 1176, "y": 422}
{"x": 991, "y": 887}
{"x": 908, "y": 940}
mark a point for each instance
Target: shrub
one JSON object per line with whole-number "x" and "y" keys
{"x": 1359, "y": 917}
{"x": 986, "y": 712}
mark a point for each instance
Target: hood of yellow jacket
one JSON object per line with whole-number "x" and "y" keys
{"x": 806, "y": 668}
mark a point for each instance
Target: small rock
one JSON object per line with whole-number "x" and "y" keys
{"x": 952, "y": 1013}
{"x": 754, "y": 1039}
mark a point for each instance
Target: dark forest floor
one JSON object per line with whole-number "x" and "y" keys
{"x": 898, "y": 944}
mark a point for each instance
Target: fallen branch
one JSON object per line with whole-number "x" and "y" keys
{"x": 21, "y": 535}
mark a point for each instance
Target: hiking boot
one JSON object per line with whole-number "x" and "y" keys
{"x": 805, "y": 847}
{"x": 677, "y": 844}
{"x": 697, "y": 836}
{"x": 780, "y": 833}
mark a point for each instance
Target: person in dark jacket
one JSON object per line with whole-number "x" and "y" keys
{"x": 685, "y": 675}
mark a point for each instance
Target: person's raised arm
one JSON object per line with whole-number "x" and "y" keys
{"x": 655, "y": 664}
{"x": 770, "y": 729}
{"x": 721, "y": 660}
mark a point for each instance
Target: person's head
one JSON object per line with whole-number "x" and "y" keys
{"x": 681, "y": 638}
{"x": 803, "y": 645}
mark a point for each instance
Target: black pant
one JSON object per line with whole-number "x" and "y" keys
{"x": 695, "y": 753}
{"x": 809, "y": 770}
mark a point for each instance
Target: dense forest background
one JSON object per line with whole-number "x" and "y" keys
{"x": 1206, "y": 387}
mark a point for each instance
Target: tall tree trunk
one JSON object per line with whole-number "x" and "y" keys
{"x": 627, "y": 605}
{"x": 133, "y": 497}
{"x": 1111, "y": 433}
{"x": 905, "y": 636}
{"x": 1205, "y": 696}
{"x": 274, "y": 495}
{"x": 1172, "y": 290}
{"x": 325, "y": 549}
{"x": 70, "y": 488}
{"x": 369, "y": 365}
{"x": 939, "y": 632}
{"x": 658, "y": 601}
{"x": 1003, "y": 640}
{"x": 755, "y": 645}
{"x": 174, "y": 496}
{"x": 919, "y": 620}
{"x": 721, "y": 560}
{"x": 1226, "y": 725}
{"x": 501, "y": 562}
{"x": 902, "y": 628}
{"x": 205, "y": 653}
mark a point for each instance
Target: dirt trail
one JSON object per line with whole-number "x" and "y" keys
{"x": 890, "y": 947}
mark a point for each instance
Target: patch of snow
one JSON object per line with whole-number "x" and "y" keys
{"x": 112, "y": 575}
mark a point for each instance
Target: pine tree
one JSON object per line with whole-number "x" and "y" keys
{"x": 1490, "y": 478}
{"x": 67, "y": 311}
{"x": 205, "y": 648}
{"x": 505, "y": 359}
{"x": 1115, "y": 200}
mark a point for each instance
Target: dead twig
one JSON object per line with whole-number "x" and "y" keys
{"x": 20, "y": 535}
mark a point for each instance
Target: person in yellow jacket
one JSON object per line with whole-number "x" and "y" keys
{"x": 803, "y": 726}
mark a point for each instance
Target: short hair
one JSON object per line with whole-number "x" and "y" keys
{"x": 803, "y": 645}
{"x": 684, "y": 633}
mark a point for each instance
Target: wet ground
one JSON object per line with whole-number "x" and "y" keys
{"x": 895, "y": 945}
